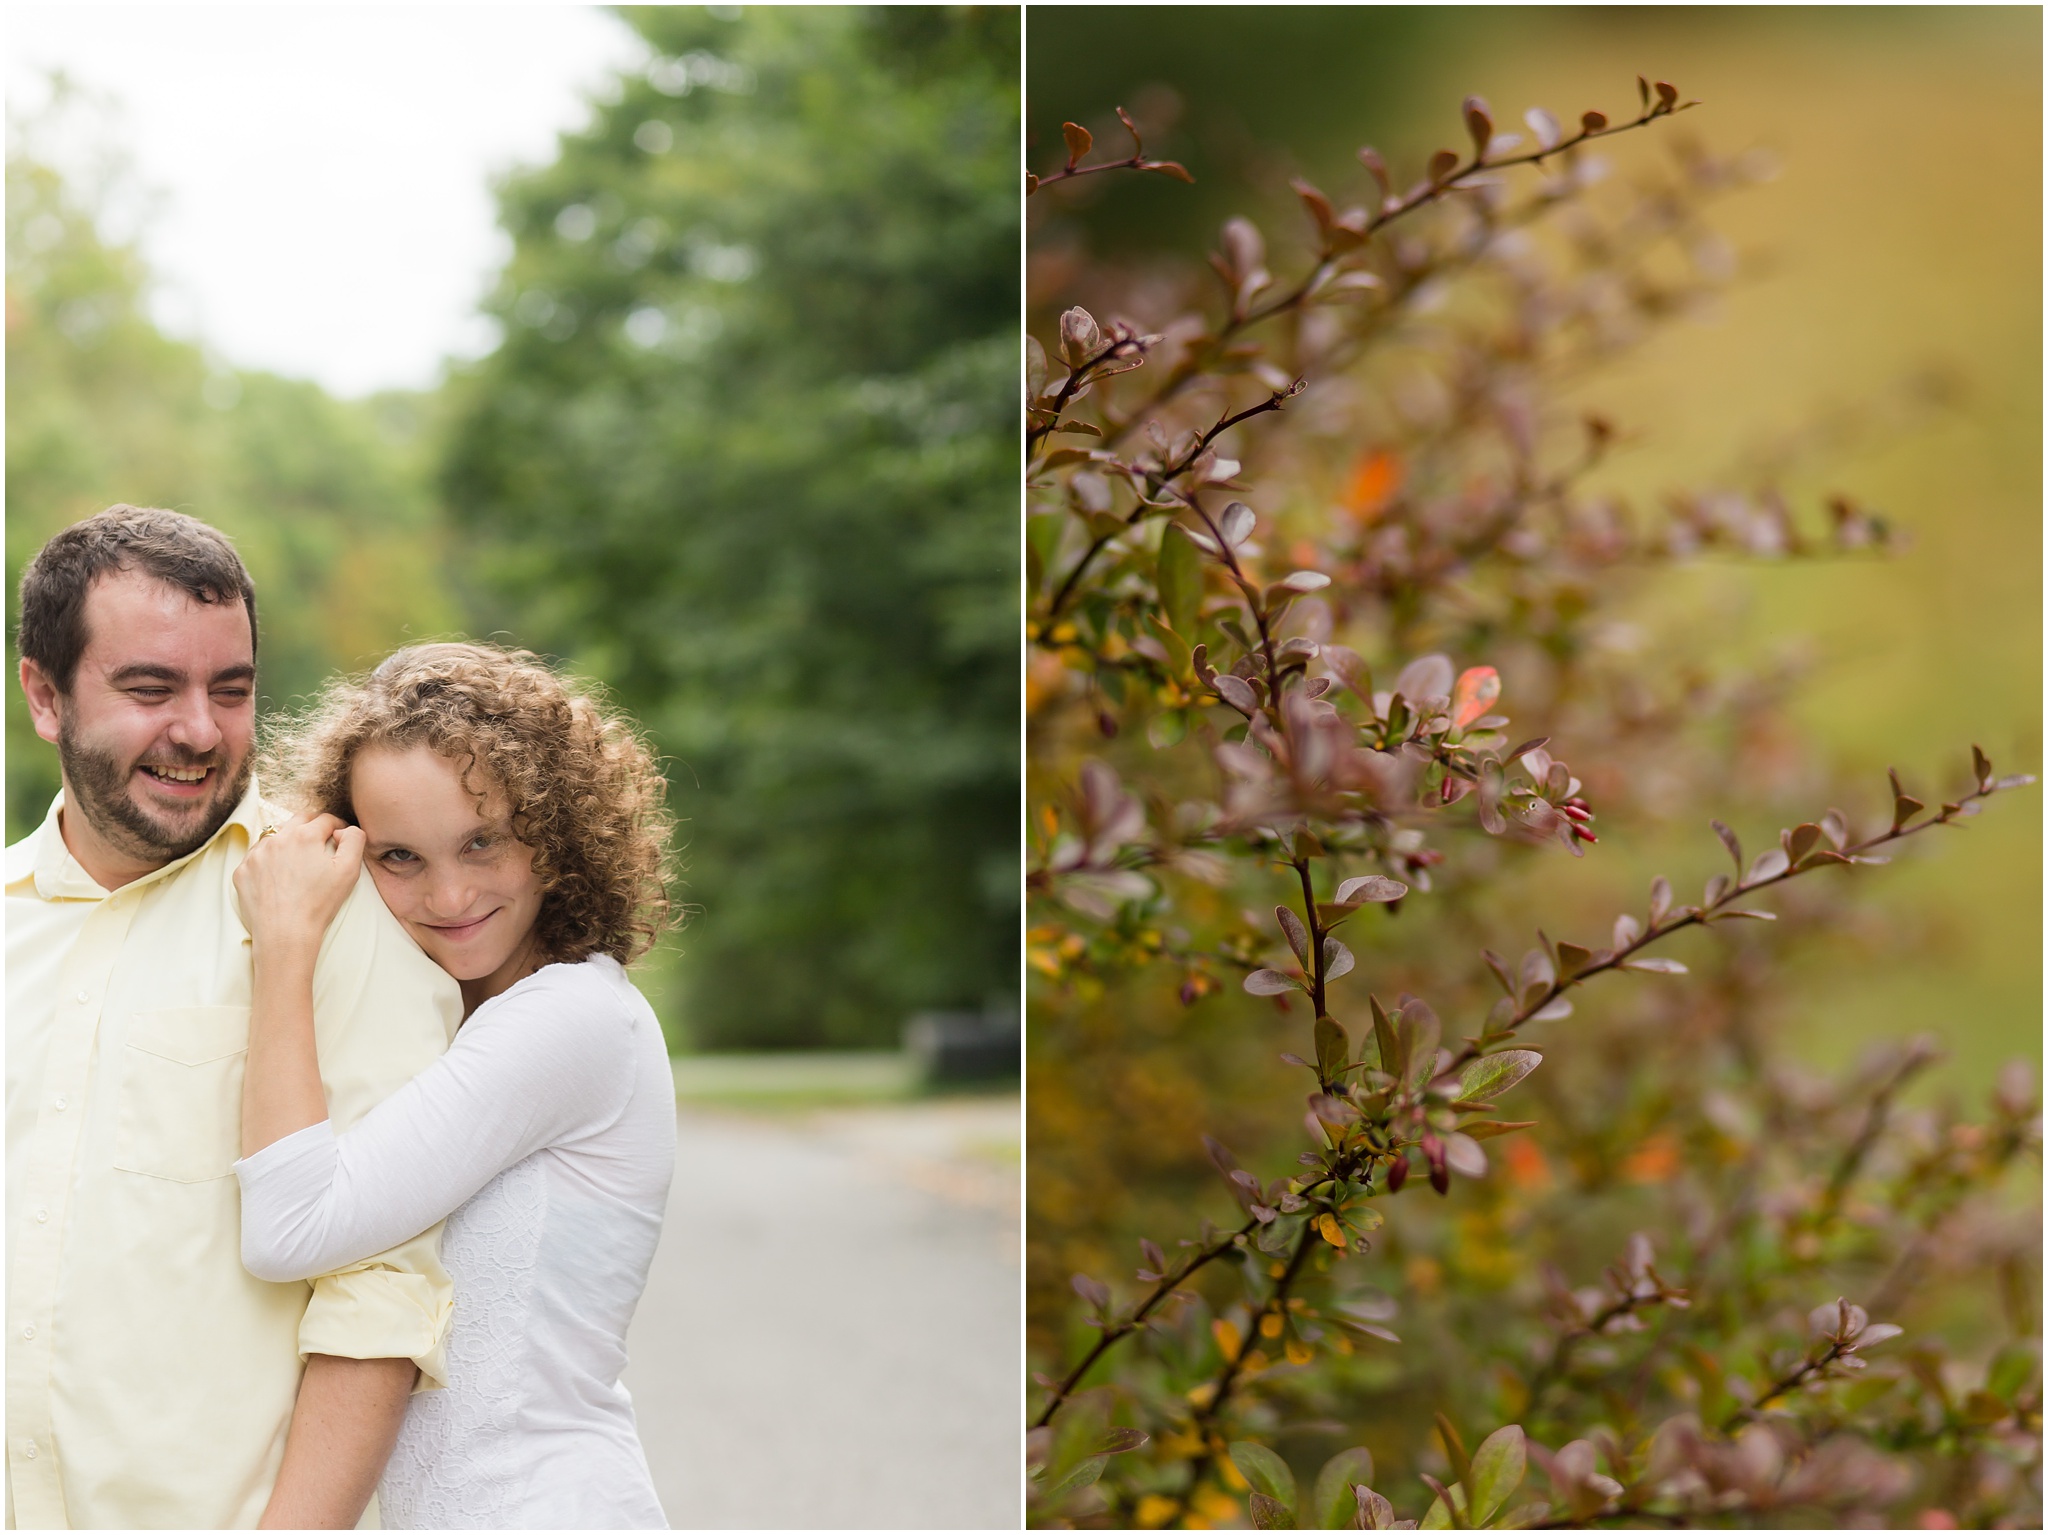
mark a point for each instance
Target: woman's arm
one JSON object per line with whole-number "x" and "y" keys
{"x": 537, "y": 1067}
{"x": 291, "y": 886}
{"x": 343, "y": 1426}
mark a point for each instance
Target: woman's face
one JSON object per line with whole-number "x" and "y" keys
{"x": 452, "y": 873}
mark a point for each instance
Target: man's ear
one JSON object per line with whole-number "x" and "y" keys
{"x": 45, "y": 701}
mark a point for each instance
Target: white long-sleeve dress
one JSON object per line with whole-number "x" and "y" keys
{"x": 546, "y": 1137}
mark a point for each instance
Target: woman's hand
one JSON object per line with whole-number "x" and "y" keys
{"x": 291, "y": 885}
{"x": 296, "y": 879}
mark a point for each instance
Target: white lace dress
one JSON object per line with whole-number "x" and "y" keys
{"x": 546, "y": 1137}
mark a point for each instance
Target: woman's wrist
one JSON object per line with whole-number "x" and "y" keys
{"x": 291, "y": 948}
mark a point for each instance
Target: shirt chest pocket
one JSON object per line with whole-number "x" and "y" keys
{"x": 181, "y": 1093}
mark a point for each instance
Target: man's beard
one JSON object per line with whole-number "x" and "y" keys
{"x": 98, "y": 782}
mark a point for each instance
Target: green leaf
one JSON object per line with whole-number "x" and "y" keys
{"x": 1438, "y": 1517}
{"x": 1983, "y": 1409}
{"x": 1180, "y": 579}
{"x": 1270, "y": 1513}
{"x": 1454, "y": 1447}
{"x": 1383, "y": 1034}
{"x": 1228, "y": 622}
{"x": 1420, "y": 1034}
{"x": 1168, "y": 728}
{"x": 1486, "y": 1129}
{"x": 1572, "y": 959}
{"x": 1267, "y": 1472}
{"x": 1084, "y": 1475}
{"x": 1333, "y": 1048}
{"x": 1491, "y": 1075}
{"x": 1042, "y": 534}
{"x": 1333, "y": 1504}
{"x": 1077, "y": 1440}
{"x": 1277, "y": 1239}
{"x": 1497, "y": 1470}
{"x": 1178, "y": 655}
{"x": 2011, "y": 1370}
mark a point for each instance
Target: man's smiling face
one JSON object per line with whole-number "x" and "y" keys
{"x": 156, "y": 732}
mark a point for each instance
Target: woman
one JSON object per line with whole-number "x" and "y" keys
{"x": 516, "y": 831}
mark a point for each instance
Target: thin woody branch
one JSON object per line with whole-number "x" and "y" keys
{"x": 1080, "y": 140}
{"x": 1220, "y": 1389}
{"x": 1159, "y": 481}
{"x": 1198, "y": 360}
{"x": 1701, "y": 915}
{"x": 1473, "y": 1051}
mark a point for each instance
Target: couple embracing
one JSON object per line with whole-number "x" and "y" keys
{"x": 337, "y": 1137}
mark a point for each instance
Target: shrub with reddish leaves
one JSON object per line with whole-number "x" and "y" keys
{"x": 1321, "y": 579}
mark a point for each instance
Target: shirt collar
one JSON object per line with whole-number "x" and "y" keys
{"x": 60, "y": 877}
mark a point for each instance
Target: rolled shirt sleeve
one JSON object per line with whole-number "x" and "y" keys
{"x": 383, "y": 1012}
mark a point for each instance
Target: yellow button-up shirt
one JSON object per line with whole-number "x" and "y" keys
{"x": 150, "y": 1379}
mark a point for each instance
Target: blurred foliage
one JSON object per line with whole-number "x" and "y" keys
{"x": 1470, "y": 472}
{"x": 324, "y": 498}
{"x": 745, "y": 454}
{"x": 1885, "y": 312}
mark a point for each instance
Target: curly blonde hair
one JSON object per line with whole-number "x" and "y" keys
{"x": 585, "y": 794}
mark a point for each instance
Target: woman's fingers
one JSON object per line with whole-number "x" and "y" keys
{"x": 299, "y": 830}
{"x": 296, "y": 879}
{"x": 305, "y": 848}
{"x": 313, "y": 829}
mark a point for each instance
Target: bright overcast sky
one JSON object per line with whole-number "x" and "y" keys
{"x": 323, "y": 171}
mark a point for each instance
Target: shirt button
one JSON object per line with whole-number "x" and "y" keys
{"x": 60, "y": 1105}
{"x": 29, "y": 1331}
{"x": 30, "y": 1450}
{"x": 85, "y": 996}
{"x": 41, "y": 1216}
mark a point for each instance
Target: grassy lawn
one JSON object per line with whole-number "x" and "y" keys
{"x": 807, "y": 1080}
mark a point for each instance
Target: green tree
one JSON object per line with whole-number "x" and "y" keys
{"x": 327, "y": 500}
{"x": 745, "y": 454}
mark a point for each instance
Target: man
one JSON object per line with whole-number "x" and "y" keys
{"x": 151, "y": 1382}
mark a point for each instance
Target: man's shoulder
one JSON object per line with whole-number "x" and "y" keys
{"x": 368, "y": 955}
{"x": 383, "y": 1011}
{"x": 364, "y": 931}
{"x": 21, "y": 858}
{"x": 23, "y": 855}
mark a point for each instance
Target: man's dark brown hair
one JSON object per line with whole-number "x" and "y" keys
{"x": 178, "y": 550}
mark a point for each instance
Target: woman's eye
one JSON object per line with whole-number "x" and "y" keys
{"x": 399, "y": 857}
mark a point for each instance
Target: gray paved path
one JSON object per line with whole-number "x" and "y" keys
{"x": 830, "y": 1338}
